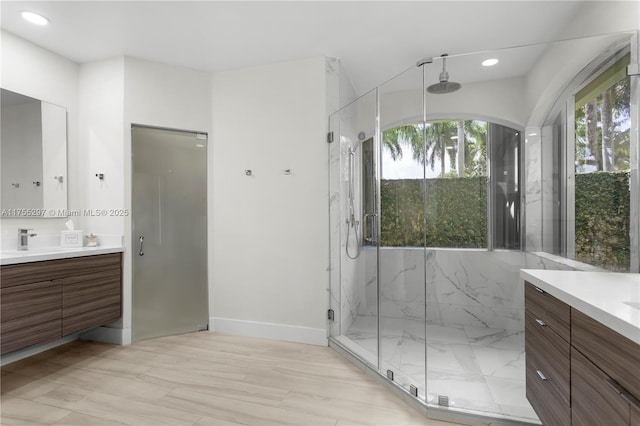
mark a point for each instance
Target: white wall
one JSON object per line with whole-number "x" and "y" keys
{"x": 269, "y": 230}
{"x": 499, "y": 101}
{"x": 33, "y": 71}
{"x": 114, "y": 94}
{"x": 602, "y": 17}
{"x": 101, "y": 150}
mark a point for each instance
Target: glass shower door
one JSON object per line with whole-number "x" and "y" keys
{"x": 169, "y": 207}
{"x": 353, "y": 220}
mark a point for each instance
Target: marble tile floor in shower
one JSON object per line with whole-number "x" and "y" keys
{"x": 479, "y": 369}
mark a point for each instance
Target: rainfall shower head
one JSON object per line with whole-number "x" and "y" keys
{"x": 444, "y": 85}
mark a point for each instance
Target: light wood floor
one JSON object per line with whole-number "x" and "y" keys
{"x": 196, "y": 379}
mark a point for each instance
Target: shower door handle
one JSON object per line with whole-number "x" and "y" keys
{"x": 141, "y": 251}
{"x": 365, "y": 228}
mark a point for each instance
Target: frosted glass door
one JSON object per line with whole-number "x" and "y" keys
{"x": 169, "y": 207}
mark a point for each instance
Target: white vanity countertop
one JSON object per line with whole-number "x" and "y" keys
{"x": 46, "y": 247}
{"x": 608, "y": 297}
{"x": 52, "y": 253}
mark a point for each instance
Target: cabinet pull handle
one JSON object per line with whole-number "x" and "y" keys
{"x": 539, "y": 290}
{"x": 141, "y": 252}
{"x": 540, "y": 322}
{"x": 614, "y": 385}
{"x": 630, "y": 399}
{"x": 622, "y": 392}
{"x": 542, "y": 376}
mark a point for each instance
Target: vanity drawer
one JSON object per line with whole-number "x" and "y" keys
{"x": 25, "y": 273}
{"x": 550, "y": 354}
{"x": 30, "y": 314}
{"x": 613, "y": 353}
{"x": 90, "y": 300}
{"x": 550, "y": 404}
{"x": 593, "y": 401}
{"x": 545, "y": 307}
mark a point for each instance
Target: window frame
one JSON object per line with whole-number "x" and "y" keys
{"x": 491, "y": 199}
{"x": 565, "y": 112}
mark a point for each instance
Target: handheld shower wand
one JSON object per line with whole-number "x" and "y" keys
{"x": 351, "y": 221}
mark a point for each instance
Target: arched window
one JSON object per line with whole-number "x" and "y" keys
{"x": 451, "y": 183}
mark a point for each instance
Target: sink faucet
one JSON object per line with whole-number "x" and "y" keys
{"x": 23, "y": 238}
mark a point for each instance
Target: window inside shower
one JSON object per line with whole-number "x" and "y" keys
{"x": 436, "y": 185}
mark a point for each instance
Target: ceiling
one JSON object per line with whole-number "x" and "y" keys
{"x": 374, "y": 40}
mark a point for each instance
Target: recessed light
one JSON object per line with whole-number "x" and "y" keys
{"x": 489, "y": 62}
{"x": 34, "y": 18}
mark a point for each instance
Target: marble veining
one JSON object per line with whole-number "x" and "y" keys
{"x": 478, "y": 368}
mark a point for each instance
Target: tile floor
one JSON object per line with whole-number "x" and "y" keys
{"x": 479, "y": 369}
{"x": 197, "y": 379}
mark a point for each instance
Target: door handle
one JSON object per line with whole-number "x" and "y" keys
{"x": 365, "y": 228}
{"x": 141, "y": 252}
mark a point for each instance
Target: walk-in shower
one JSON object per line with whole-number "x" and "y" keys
{"x": 434, "y": 195}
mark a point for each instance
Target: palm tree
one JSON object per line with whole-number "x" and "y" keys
{"x": 475, "y": 148}
{"x": 410, "y": 135}
{"x": 438, "y": 136}
{"x": 460, "y": 166}
{"x": 439, "y": 140}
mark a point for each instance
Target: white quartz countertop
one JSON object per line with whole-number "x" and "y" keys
{"x": 608, "y": 297}
{"x": 47, "y": 247}
{"x": 51, "y": 253}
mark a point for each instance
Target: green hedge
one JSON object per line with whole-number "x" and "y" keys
{"x": 456, "y": 215}
{"x": 456, "y": 212}
{"x": 602, "y": 219}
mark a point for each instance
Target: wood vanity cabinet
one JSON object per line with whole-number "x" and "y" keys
{"x": 44, "y": 301}
{"x": 578, "y": 371}
{"x": 30, "y": 314}
{"x": 547, "y": 349}
{"x": 605, "y": 374}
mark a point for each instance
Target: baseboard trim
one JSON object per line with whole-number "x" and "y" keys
{"x": 115, "y": 336}
{"x": 289, "y": 333}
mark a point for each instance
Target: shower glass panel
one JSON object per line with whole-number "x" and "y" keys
{"x": 474, "y": 339}
{"x": 401, "y": 256}
{"x": 169, "y": 206}
{"x": 354, "y": 237}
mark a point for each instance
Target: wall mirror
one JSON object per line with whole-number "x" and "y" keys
{"x": 33, "y": 152}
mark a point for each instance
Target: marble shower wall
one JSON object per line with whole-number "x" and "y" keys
{"x": 464, "y": 287}
{"x": 346, "y": 275}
